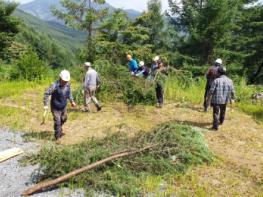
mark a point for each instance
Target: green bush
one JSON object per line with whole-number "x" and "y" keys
{"x": 178, "y": 147}
{"x": 118, "y": 84}
{"x": 30, "y": 67}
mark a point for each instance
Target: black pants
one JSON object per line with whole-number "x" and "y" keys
{"x": 59, "y": 117}
{"x": 159, "y": 93}
{"x": 207, "y": 88}
{"x": 219, "y": 112}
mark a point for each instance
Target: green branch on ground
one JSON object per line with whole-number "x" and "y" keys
{"x": 179, "y": 147}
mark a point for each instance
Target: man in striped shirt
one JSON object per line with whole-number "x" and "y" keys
{"x": 221, "y": 93}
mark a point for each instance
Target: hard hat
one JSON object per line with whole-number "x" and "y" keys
{"x": 87, "y": 64}
{"x": 156, "y": 58}
{"x": 141, "y": 63}
{"x": 222, "y": 70}
{"x": 65, "y": 75}
{"x": 219, "y": 61}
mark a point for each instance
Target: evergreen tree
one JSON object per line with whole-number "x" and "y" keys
{"x": 83, "y": 15}
{"x": 8, "y": 26}
{"x": 110, "y": 37}
{"x": 206, "y": 25}
{"x": 248, "y": 41}
{"x": 153, "y": 20}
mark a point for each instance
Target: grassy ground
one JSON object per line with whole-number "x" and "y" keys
{"x": 237, "y": 171}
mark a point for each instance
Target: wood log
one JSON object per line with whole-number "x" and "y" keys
{"x": 7, "y": 154}
{"x": 66, "y": 177}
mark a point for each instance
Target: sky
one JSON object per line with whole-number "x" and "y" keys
{"x": 139, "y": 5}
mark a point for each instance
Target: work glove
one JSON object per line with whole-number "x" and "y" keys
{"x": 73, "y": 104}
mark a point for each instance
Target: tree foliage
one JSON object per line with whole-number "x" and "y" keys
{"x": 8, "y": 26}
{"x": 82, "y": 15}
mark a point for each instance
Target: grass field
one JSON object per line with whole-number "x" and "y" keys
{"x": 238, "y": 165}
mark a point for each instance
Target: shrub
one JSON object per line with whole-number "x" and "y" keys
{"x": 118, "y": 84}
{"x": 30, "y": 67}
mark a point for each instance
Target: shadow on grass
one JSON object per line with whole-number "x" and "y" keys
{"x": 258, "y": 116}
{"x": 190, "y": 106}
{"x": 204, "y": 125}
{"x": 43, "y": 135}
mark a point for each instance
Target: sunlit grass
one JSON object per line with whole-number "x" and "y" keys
{"x": 193, "y": 92}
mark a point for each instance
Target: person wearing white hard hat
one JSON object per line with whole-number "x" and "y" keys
{"x": 90, "y": 85}
{"x": 211, "y": 75}
{"x": 156, "y": 61}
{"x": 143, "y": 71}
{"x": 60, "y": 92}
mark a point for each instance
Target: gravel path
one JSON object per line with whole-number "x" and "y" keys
{"x": 16, "y": 178}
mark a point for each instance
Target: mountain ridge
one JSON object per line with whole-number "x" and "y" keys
{"x": 41, "y": 9}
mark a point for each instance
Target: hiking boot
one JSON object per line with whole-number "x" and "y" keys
{"x": 98, "y": 107}
{"x": 86, "y": 110}
{"x": 57, "y": 136}
{"x": 214, "y": 129}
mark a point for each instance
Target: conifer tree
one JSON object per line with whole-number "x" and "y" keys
{"x": 8, "y": 26}
{"x": 83, "y": 15}
{"x": 206, "y": 25}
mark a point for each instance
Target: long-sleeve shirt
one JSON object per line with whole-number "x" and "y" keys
{"x": 59, "y": 95}
{"x": 133, "y": 66}
{"x": 92, "y": 79}
{"x": 222, "y": 90}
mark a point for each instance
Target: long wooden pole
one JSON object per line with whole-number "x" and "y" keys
{"x": 66, "y": 177}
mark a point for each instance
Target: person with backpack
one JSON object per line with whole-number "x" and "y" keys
{"x": 60, "y": 92}
{"x": 220, "y": 93}
{"x": 90, "y": 85}
{"x": 133, "y": 65}
{"x": 211, "y": 75}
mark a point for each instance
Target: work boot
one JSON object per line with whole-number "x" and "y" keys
{"x": 215, "y": 128}
{"x": 86, "y": 110}
{"x": 98, "y": 107}
{"x": 57, "y": 136}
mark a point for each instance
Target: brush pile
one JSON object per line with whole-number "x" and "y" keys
{"x": 177, "y": 148}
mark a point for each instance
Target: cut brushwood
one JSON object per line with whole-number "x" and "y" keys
{"x": 66, "y": 177}
{"x": 7, "y": 154}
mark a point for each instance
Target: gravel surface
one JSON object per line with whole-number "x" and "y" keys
{"x": 16, "y": 178}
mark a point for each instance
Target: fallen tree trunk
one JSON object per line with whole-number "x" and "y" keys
{"x": 7, "y": 154}
{"x": 66, "y": 177}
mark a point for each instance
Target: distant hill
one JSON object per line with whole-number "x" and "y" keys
{"x": 41, "y": 9}
{"x": 64, "y": 35}
{"x": 54, "y": 43}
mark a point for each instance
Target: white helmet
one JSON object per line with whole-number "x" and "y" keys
{"x": 219, "y": 61}
{"x": 156, "y": 58}
{"x": 65, "y": 75}
{"x": 141, "y": 63}
{"x": 87, "y": 64}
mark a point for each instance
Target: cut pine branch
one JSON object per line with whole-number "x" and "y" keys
{"x": 47, "y": 184}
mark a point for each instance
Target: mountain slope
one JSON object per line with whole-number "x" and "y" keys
{"x": 41, "y": 9}
{"x": 68, "y": 38}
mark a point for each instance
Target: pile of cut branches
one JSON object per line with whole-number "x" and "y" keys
{"x": 175, "y": 148}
